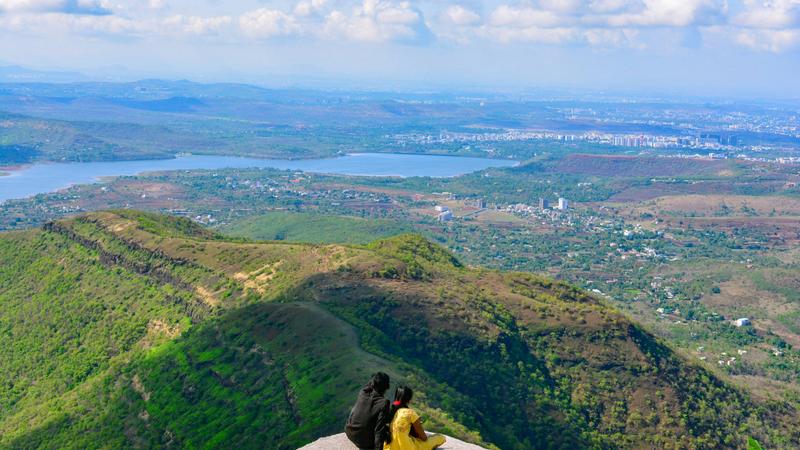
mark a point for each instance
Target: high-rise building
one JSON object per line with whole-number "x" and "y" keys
{"x": 543, "y": 203}
{"x": 563, "y": 204}
{"x": 709, "y": 139}
{"x": 730, "y": 139}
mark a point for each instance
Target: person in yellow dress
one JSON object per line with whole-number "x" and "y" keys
{"x": 406, "y": 427}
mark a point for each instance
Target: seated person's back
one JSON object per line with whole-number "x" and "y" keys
{"x": 407, "y": 432}
{"x": 367, "y": 426}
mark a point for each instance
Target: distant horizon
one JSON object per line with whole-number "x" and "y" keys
{"x": 275, "y": 81}
{"x": 716, "y": 48}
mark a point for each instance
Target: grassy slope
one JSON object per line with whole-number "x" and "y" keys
{"x": 315, "y": 228}
{"x": 261, "y": 374}
{"x": 227, "y": 380}
{"x": 271, "y": 355}
{"x": 65, "y": 315}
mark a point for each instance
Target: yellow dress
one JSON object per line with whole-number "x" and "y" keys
{"x": 401, "y": 440}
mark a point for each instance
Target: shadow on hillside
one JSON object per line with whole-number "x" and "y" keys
{"x": 503, "y": 389}
{"x": 282, "y": 374}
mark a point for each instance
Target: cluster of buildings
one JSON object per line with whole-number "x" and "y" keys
{"x": 446, "y": 137}
{"x": 645, "y": 141}
{"x": 562, "y": 205}
{"x": 553, "y": 215}
{"x": 544, "y": 206}
{"x": 644, "y": 253}
{"x": 443, "y": 213}
{"x": 700, "y": 140}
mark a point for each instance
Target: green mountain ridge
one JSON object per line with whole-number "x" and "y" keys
{"x": 122, "y": 329}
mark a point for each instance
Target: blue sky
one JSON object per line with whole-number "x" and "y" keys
{"x": 717, "y": 47}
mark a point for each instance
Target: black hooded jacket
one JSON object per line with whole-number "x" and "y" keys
{"x": 366, "y": 427}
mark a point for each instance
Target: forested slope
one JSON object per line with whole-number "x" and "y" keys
{"x": 124, "y": 329}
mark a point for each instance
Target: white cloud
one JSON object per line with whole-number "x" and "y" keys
{"x": 173, "y": 26}
{"x": 771, "y": 26}
{"x": 611, "y": 13}
{"x": 369, "y": 21}
{"x": 563, "y": 6}
{"x": 595, "y": 37}
{"x": 198, "y": 25}
{"x": 267, "y": 23}
{"x": 156, "y": 4}
{"x": 673, "y": 13}
{"x": 398, "y": 16}
{"x": 76, "y": 24}
{"x": 604, "y": 37}
{"x": 525, "y": 17}
{"x": 88, "y": 7}
{"x": 762, "y": 25}
{"x": 554, "y": 22}
{"x": 609, "y": 6}
{"x": 309, "y": 7}
{"x": 531, "y": 34}
{"x": 601, "y": 23}
{"x": 524, "y": 23}
{"x": 378, "y": 21}
{"x": 460, "y": 16}
{"x": 775, "y": 41}
{"x": 774, "y": 14}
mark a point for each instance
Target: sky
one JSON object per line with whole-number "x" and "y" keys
{"x": 711, "y": 47}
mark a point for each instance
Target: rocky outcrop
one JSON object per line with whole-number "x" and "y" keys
{"x": 340, "y": 442}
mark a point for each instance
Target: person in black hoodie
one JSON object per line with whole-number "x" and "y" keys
{"x": 367, "y": 427}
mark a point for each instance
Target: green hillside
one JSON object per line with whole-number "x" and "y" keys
{"x": 130, "y": 330}
{"x": 315, "y": 228}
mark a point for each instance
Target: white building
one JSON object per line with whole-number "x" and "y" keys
{"x": 440, "y": 208}
{"x": 563, "y": 204}
{"x": 743, "y": 322}
{"x": 445, "y": 216}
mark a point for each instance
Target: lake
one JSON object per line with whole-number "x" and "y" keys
{"x": 50, "y": 177}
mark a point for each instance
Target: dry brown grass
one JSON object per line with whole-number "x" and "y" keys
{"x": 639, "y": 166}
{"x": 705, "y": 205}
{"x": 764, "y": 389}
{"x": 498, "y": 218}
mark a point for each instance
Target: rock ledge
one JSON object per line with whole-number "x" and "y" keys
{"x": 340, "y": 442}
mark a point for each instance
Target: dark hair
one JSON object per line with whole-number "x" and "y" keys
{"x": 402, "y": 395}
{"x": 379, "y": 383}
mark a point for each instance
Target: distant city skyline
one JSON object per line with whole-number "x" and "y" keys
{"x": 737, "y": 48}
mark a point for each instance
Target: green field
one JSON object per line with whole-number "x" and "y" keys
{"x": 315, "y": 228}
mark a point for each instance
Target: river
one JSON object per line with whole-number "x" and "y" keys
{"x": 49, "y": 177}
